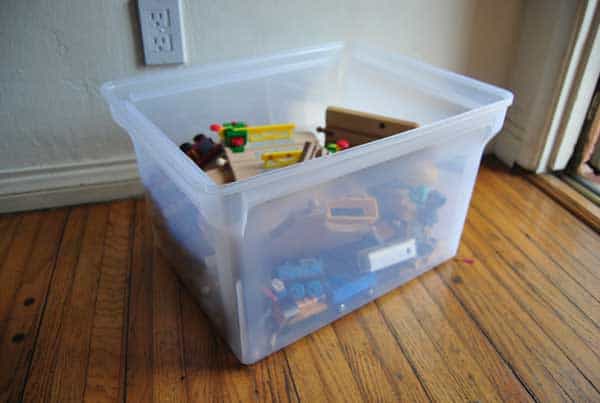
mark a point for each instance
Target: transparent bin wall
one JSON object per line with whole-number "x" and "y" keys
{"x": 194, "y": 241}
{"x": 299, "y": 90}
{"x": 421, "y": 201}
{"x": 298, "y": 94}
{"x": 229, "y": 244}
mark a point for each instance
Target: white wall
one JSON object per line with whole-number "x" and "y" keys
{"x": 55, "y": 55}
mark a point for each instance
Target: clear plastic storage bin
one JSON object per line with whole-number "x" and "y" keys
{"x": 277, "y": 256}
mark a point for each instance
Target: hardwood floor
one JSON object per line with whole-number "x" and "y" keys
{"x": 89, "y": 311}
{"x": 570, "y": 193}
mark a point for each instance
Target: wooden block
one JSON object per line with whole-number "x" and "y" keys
{"x": 280, "y": 159}
{"x": 220, "y": 175}
{"x": 350, "y": 214}
{"x": 307, "y": 151}
{"x": 316, "y": 151}
{"x": 362, "y": 127}
{"x": 249, "y": 163}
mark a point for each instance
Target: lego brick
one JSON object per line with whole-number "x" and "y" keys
{"x": 304, "y": 269}
{"x": 348, "y": 289}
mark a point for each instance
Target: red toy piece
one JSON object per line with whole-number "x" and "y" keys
{"x": 215, "y": 127}
{"x": 237, "y": 141}
{"x": 343, "y": 144}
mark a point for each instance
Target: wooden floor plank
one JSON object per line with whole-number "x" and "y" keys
{"x": 542, "y": 277}
{"x": 167, "y": 352}
{"x": 564, "y": 229}
{"x": 20, "y": 250}
{"x": 140, "y": 329}
{"x": 39, "y": 380}
{"x": 106, "y": 366}
{"x": 455, "y": 352}
{"x": 563, "y": 322}
{"x": 320, "y": 370}
{"x": 377, "y": 362}
{"x": 58, "y": 370}
{"x": 21, "y": 326}
{"x": 554, "y": 215}
{"x": 499, "y": 372}
{"x": 529, "y": 276}
{"x": 566, "y": 279}
{"x": 564, "y": 250}
{"x": 482, "y": 304}
{"x": 8, "y": 226}
{"x": 567, "y": 253}
{"x": 273, "y": 380}
{"x": 544, "y": 368}
{"x": 212, "y": 371}
{"x": 434, "y": 369}
{"x": 572, "y": 199}
{"x": 514, "y": 317}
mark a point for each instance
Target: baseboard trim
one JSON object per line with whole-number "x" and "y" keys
{"x": 68, "y": 184}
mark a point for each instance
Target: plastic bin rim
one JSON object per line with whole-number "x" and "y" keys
{"x": 371, "y": 147}
{"x": 209, "y": 186}
{"x": 108, "y": 88}
{"x": 422, "y": 132}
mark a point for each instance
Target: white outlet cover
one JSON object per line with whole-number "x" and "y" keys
{"x": 162, "y": 31}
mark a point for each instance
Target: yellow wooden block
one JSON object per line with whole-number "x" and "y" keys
{"x": 258, "y": 134}
{"x": 278, "y": 159}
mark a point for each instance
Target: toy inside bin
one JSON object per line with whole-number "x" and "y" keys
{"x": 276, "y": 256}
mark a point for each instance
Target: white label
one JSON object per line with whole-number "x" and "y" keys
{"x": 389, "y": 255}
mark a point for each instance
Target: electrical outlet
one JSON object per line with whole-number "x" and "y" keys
{"x": 160, "y": 19}
{"x": 162, "y": 31}
{"x": 162, "y": 43}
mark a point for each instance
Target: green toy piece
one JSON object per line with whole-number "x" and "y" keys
{"x": 235, "y": 136}
{"x": 332, "y": 147}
